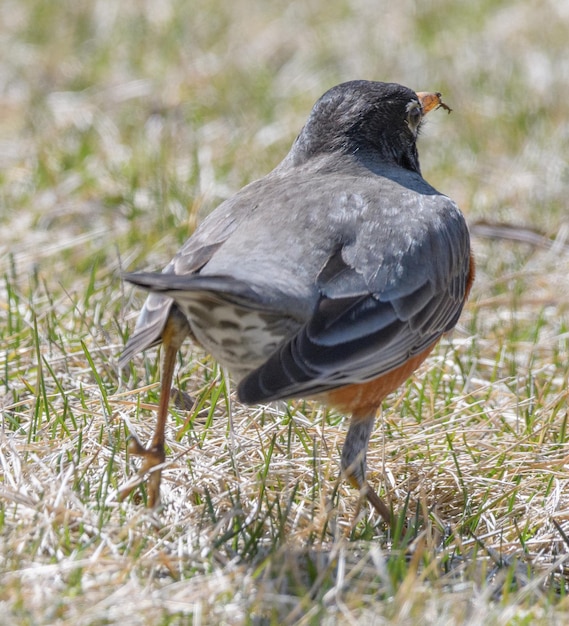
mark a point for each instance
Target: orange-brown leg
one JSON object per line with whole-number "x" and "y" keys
{"x": 354, "y": 462}
{"x": 174, "y": 334}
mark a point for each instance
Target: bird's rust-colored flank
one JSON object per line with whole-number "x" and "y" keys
{"x": 333, "y": 277}
{"x": 364, "y": 398}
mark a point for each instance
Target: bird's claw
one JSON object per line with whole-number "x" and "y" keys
{"x": 153, "y": 457}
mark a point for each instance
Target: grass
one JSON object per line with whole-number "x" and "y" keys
{"x": 122, "y": 126}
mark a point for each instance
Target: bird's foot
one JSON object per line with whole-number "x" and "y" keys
{"x": 153, "y": 457}
{"x": 377, "y": 503}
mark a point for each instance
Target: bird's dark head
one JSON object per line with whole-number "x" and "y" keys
{"x": 372, "y": 120}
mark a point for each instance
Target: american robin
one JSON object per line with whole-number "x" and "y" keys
{"x": 333, "y": 277}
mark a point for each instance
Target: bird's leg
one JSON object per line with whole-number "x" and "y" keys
{"x": 354, "y": 462}
{"x": 174, "y": 334}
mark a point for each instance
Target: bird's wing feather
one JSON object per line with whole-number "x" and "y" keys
{"x": 193, "y": 255}
{"x": 376, "y": 309}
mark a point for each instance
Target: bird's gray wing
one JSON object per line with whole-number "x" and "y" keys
{"x": 193, "y": 255}
{"x": 384, "y": 297}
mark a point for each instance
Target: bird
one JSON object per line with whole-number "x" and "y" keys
{"x": 332, "y": 278}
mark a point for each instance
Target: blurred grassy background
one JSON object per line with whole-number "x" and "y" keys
{"x": 121, "y": 125}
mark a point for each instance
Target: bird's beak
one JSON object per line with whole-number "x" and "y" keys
{"x": 430, "y": 101}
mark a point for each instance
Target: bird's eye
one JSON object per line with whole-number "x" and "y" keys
{"x": 414, "y": 115}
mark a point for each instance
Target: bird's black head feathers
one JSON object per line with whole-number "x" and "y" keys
{"x": 367, "y": 119}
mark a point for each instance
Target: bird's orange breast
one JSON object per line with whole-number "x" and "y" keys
{"x": 363, "y": 399}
